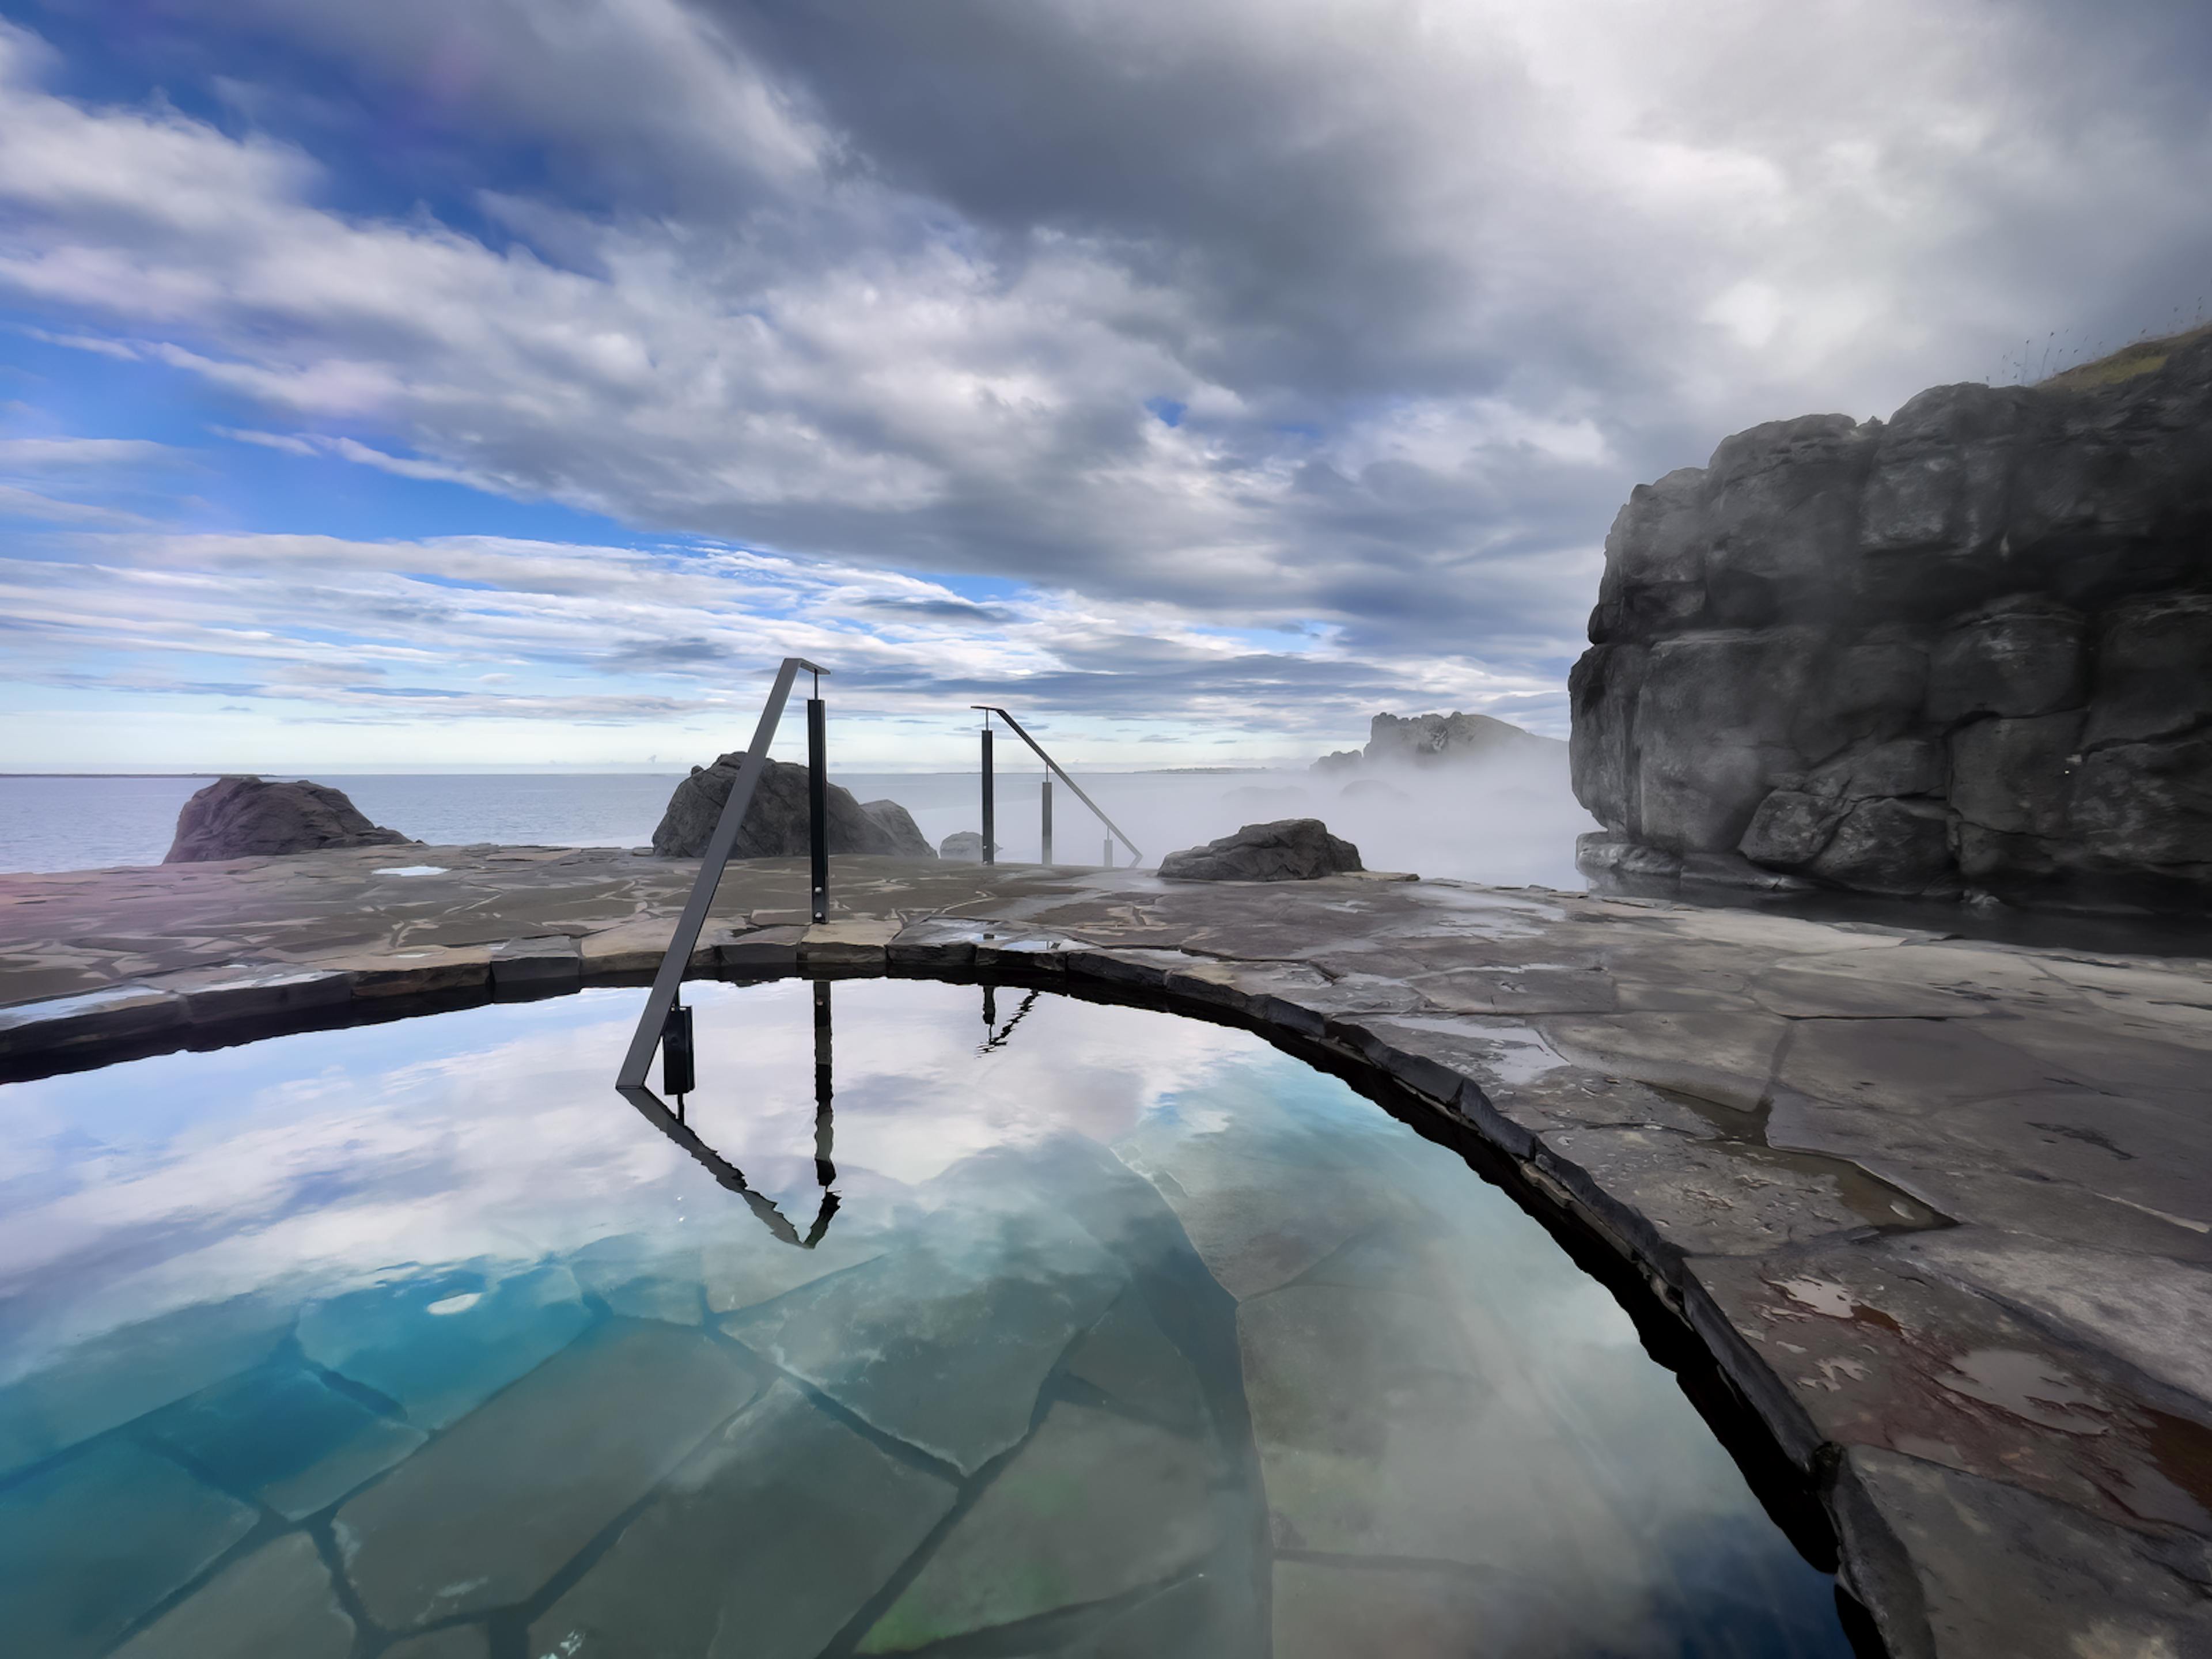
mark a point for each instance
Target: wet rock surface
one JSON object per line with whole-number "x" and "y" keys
{"x": 1925, "y": 1200}
{"x": 1964, "y": 650}
{"x": 250, "y": 817}
{"x": 1289, "y": 849}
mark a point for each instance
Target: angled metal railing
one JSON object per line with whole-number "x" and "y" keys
{"x": 660, "y": 1002}
{"x": 990, "y": 803}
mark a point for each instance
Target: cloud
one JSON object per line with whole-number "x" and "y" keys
{"x": 472, "y": 628}
{"x": 909, "y": 289}
{"x": 19, "y": 503}
{"x": 39, "y": 455}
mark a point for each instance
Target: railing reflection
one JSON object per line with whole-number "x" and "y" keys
{"x": 655, "y": 1111}
{"x": 994, "y": 1038}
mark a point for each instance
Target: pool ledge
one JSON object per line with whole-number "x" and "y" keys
{"x": 1941, "y": 1211}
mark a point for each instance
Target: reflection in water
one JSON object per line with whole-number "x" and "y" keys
{"x": 993, "y": 1037}
{"x": 1132, "y": 1337}
{"x": 679, "y": 1062}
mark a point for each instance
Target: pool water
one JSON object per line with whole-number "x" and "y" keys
{"x": 946, "y": 1321}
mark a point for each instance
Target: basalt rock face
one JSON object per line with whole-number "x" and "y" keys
{"x": 1289, "y": 849}
{"x": 1966, "y": 650}
{"x": 775, "y": 825}
{"x": 246, "y": 817}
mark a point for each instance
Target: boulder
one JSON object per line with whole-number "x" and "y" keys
{"x": 1289, "y": 849}
{"x": 1969, "y": 649}
{"x": 966, "y": 845}
{"x": 907, "y": 839}
{"x": 776, "y": 823}
{"x": 248, "y": 817}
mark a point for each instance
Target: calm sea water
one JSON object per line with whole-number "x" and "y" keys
{"x": 1001, "y": 1323}
{"x": 1512, "y": 829}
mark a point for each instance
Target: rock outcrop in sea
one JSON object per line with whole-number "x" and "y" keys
{"x": 775, "y": 825}
{"x": 250, "y": 818}
{"x": 1967, "y": 650}
{"x": 1289, "y": 849}
{"x": 1435, "y": 740}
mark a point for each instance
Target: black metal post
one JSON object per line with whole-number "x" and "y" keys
{"x": 990, "y": 805}
{"x": 817, "y": 803}
{"x": 990, "y": 1009}
{"x": 1044, "y": 853}
{"x": 825, "y": 1132}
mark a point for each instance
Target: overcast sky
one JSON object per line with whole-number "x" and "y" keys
{"x": 474, "y": 381}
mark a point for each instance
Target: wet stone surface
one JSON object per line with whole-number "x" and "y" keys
{"x": 2000, "y": 1149}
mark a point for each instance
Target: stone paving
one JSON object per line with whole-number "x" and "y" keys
{"x": 1940, "y": 1211}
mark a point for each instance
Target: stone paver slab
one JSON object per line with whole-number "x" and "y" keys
{"x": 442, "y": 1344}
{"x": 763, "y": 1545}
{"x": 285, "y": 1437}
{"x": 277, "y": 1603}
{"x": 1094, "y": 1505}
{"x": 493, "y": 1508}
{"x": 92, "y": 1544}
{"x": 944, "y": 1341}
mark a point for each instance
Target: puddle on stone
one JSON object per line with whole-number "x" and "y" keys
{"x": 1866, "y": 1195}
{"x": 1003, "y": 1323}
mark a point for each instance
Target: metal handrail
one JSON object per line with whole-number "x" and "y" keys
{"x": 1015, "y": 726}
{"x": 668, "y": 980}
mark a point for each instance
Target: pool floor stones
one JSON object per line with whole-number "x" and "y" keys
{"x": 1941, "y": 1210}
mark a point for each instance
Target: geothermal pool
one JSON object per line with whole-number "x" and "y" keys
{"x": 946, "y": 1321}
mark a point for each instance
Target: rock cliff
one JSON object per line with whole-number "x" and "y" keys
{"x": 1968, "y": 650}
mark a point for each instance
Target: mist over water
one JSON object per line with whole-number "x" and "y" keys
{"x": 1508, "y": 820}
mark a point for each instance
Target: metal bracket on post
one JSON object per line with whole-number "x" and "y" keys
{"x": 654, "y": 1021}
{"x": 679, "y": 1071}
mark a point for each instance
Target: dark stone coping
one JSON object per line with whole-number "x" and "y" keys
{"x": 1919, "y": 1223}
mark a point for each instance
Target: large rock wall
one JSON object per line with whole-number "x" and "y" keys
{"x": 1966, "y": 650}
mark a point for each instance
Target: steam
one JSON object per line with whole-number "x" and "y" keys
{"x": 1506, "y": 820}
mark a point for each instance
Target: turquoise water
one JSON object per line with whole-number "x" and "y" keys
{"x": 1118, "y": 1335}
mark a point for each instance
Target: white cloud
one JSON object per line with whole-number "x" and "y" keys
{"x": 898, "y": 289}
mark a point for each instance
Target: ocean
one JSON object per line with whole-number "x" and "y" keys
{"x": 1511, "y": 828}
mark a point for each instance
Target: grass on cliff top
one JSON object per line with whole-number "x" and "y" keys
{"x": 2142, "y": 357}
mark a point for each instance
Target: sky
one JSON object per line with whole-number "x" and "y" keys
{"x": 467, "y": 383}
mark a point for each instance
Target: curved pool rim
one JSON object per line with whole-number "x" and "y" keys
{"x": 1805, "y": 1499}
